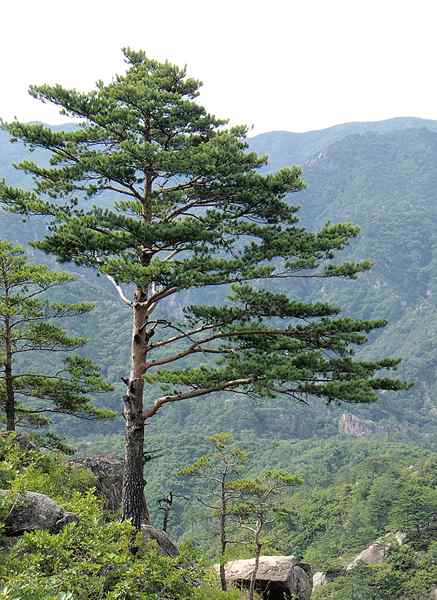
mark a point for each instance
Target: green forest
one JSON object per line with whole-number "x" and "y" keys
{"x": 217, "y": 352}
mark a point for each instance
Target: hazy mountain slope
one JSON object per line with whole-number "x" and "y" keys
{"x": 380, "y": 175}
{"x": 285, "y": 147}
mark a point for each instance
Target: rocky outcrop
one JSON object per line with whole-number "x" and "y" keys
{"x": 108, "y": 472}
{"x": 354, "y": 426}
{"x": 319, "y": 579}
{"x": 323, "y": 577}
{"x": 372, "y": 555}
{"x": 434, "y": 592}
{"x": 24, "y": 440}
{"x": 165, "y": 544}
{"x": 32, "y": 511}
{"x": 277, "y": 576}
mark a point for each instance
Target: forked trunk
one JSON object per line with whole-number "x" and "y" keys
{"x": 134, "y": 506}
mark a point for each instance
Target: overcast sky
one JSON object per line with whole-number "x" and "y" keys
{"x": 271, "y": 64}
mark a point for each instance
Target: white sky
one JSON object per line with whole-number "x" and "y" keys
{"x": 274, "y": 64}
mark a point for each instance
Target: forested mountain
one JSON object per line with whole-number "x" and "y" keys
{"x": 380, "y": 176}
{"x": 383, "y": 177}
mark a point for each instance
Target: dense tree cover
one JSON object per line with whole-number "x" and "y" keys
{"x": 87, "y": 560}
{"x": 191, "y": 210}
{"x": 28, "y": 327}
{"x": 327, "y": 525}
{"x": 376, "y": 498}
{"x": 339, "y": 188}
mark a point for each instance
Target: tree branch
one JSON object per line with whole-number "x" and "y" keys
{"x": 193, "y": 394}
{"x": 119, "y": 290}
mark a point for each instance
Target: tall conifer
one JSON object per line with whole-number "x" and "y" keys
{"x": 188, "y": 209}
{"x": 33, "y": 388}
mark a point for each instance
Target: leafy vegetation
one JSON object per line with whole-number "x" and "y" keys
{"x": 90, "y": 559}
{"x": 380, "y": 176}
{"x": 28, "y": 327}
{"x": 191, "y": 210}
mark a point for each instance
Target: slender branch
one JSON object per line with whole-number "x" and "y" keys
{"x": 183, "y": 335}
{"x": 151, "y": 303}
{"x": 119, "y": 290}
{"x": 193, "y": 394}
{"x": 191, "y": 350}
{"x": 60, "y": 411}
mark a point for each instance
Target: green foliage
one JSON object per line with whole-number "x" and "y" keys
{"x": 190, "y": 209}
{"x": 28, "y": 328}
{"x": 225, "y": 458}
{"x": 89, "y": 559}
{"x": 261, "y": 496}
{"x": 44, "y": 472}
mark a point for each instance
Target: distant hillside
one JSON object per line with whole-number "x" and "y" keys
{"x": 284, "y": 147}
{"x": 381, "y": 176}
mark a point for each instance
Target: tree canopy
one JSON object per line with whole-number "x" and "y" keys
{"x": 181, "y": 204}
{"x": 30, "y": 391}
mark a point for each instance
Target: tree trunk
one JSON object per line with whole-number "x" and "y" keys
{"x": 133, "y": 501}
{"x": 10, "y": 396}
{"x": 258, "y": 547}
{"x": 223, "y": 540}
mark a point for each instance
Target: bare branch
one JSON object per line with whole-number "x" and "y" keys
{"x": 193, "y": 394}
{"x": 119, "y": 290}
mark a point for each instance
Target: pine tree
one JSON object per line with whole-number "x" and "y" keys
{"x": 186, "y": 207}
{"x": 261, "y": 498}
{"x": 32, "y": 389}
{"x": 216, "y": 471}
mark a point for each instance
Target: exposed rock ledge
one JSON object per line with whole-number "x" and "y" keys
{"x": 276, "y": 575}
{"x": 374, "y": 554}
{"x": 354, "y": 426}
{"x": 32, "y": 511}
{"x": 108, "y": 472}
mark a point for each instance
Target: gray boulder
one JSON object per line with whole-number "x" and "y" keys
{"x": 108, "y": 472}
{"x": 32, "y": 511}
{"x": 165, "y": 544}
{"x": 319, "y": 579}
{"x": 23, "y": 439}
{"x": 277, "y": 576}
{"x": 323, "y": 577}
{"x": 373, "y": 554}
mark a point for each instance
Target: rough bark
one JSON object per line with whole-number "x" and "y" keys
{"x": 258, "y": 547}
{"x": 134, "y": 507}
{"x": 133, "y": 500}
{"x": 10, "y": 396}
{"x": 223, "y": 540}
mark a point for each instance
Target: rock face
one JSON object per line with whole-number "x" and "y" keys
{"x": 277, "y": 576}
{"x": 109, "y": 478}
{"x": 356, "y": 427}
{"x": 165, "y": 544}
{"x": 32, "y": 511}
{"x": 323, "y": 577}
{"x": 373, "y": 554}
{"x": 434, "y": 592}
{"x": 319, "y": 579}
